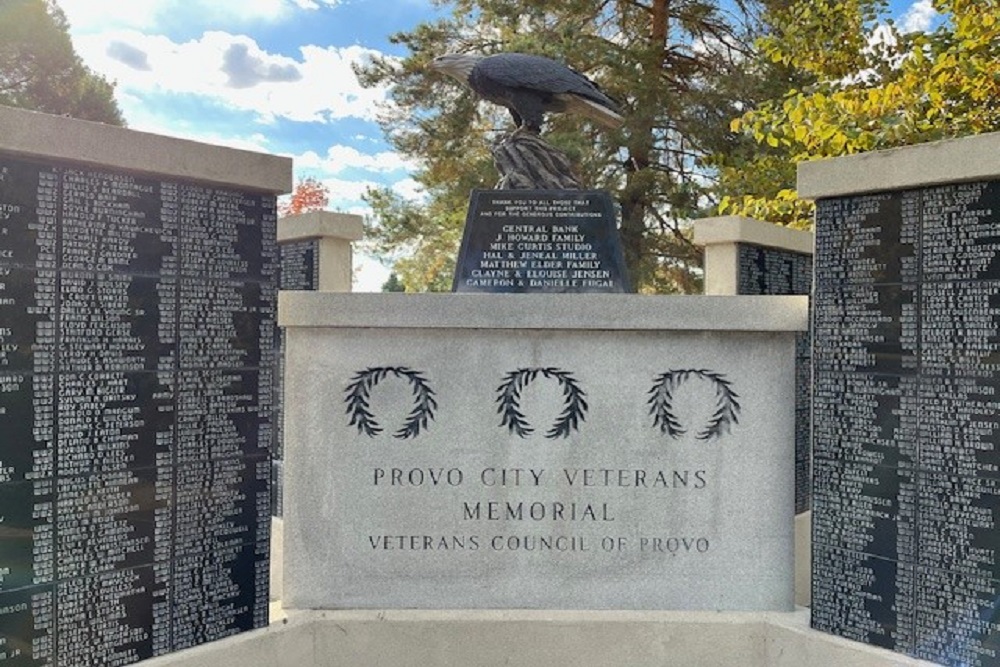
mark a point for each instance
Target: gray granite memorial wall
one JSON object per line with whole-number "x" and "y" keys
{"x": 764, "y": 270}
{"x": 137, "y": 337}
{"x": 906, "y": 492}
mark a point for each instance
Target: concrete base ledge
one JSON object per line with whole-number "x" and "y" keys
{"x": 530, "y": 638}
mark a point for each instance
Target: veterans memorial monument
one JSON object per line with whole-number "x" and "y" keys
{"x": 472, "y": 478}
{"x": 544, "y": 441}
{"x": 746, "y": 256}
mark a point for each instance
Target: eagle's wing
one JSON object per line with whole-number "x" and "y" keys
{"x": 521, "y": 70}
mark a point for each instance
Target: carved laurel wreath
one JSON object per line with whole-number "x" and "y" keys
{"x": 358, "y": 393}
{"x": 727, "y": 409}
{"x": 509, "y": 396}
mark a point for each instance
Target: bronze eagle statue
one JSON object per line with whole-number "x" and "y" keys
{"x": 530, "y": 86}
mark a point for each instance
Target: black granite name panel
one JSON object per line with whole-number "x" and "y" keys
{"x": 549, "y": 241}
{"x": 906, "y": 421}
{"x": 299, "y": 265}
{"x": 299, "y": 270}
{"x": 765, "y": 270}
{"x": 137, "y": 357}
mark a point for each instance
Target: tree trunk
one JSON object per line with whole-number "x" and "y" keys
{"x": 525, "y": 162}
{"x": 635, "y": 196}
{"x": 633, "y": 228}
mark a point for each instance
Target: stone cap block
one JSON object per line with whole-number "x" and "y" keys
{"x": 320, "y": 224}
{"x": 949, "y": 161}
{"x": 622, "y": 312}
{"x": 44, "y": 136}
{"x": 738, "y": 229}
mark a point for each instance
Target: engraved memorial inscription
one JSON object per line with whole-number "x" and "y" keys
{"x": 136, "y": 362}
{"x": 906, "y": 354}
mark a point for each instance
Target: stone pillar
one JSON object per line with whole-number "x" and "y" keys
{"x": 316, "y": 255}
{"x": 723, "y": 237}
{"x": 320, "y": 242}
{"x": 744, "y": 256}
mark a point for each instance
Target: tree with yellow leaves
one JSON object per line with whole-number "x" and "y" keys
{"x": 875, "y": 88}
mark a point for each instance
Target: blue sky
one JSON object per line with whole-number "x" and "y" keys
{"x": 272, "y": 76}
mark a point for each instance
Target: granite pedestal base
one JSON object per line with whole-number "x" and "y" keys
{"x": 539, "y": 451}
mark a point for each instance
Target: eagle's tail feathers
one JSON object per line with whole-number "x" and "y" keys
{"x": 593, "y": 110}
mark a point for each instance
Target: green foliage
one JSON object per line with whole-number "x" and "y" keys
{"x": 39, "y": 69}
{"x": 666, "y": 61}
{"x": 393, "y": 284}
{"x": 911, "y": 89}
{"x": 427, "y": 235}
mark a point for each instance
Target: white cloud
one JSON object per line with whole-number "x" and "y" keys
{"x": 246, "y": 70}
{"x": 233, "y": 70}
{"x": 919, "y": 17}
{"x": 93, "y": 15}
{"x": 144, "y": 117}
{"x": 370, "y": 273}
{"x": 344, "y": 193}
{"x": 88, "y": 15}
{"x": 339, "y": 157}
{"x": 128, "y": 55}
{"x": 409, "y": 189}
{"x": 882, "y": 40}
